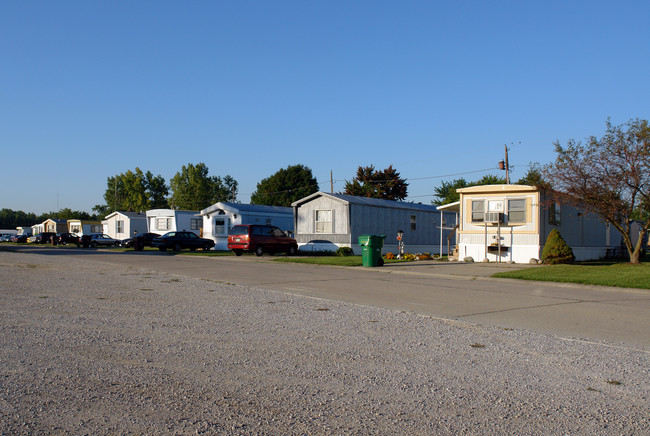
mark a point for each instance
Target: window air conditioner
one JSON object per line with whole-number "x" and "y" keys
{"x": 493, "y": 217}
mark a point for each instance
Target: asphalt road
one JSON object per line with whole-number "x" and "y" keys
{"x": 448, "y": 290}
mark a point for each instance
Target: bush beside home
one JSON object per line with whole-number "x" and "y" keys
{"x": 556, "y": 250}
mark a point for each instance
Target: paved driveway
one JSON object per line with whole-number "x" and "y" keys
{"x": 449, "y": 290}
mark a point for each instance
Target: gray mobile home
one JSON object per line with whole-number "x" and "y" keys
{"x": 341, "y": 219}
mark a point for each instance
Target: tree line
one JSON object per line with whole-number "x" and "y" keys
{"x": 10, "y": 219}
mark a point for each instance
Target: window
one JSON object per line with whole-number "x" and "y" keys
{"x": 413, "y": 224}
{"x": 517, "y": 211}
{"x": 219, "y": 226}
{"x": 119, "y": 226}
{"x": 323, "y": 221}
{"x": 163, "y": 223}
{"x": 195, "y": 223}
{"x": 75, "y": 229}
{"x": 478, "y": 211}
{"x": 96, "y": 228}
{"x": 554, "y": 214}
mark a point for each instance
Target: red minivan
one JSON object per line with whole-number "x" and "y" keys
{"x": 260, "y": 239}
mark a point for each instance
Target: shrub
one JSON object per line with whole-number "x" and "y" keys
{"x": 344, "y": 251}
{"x": 556, "y": 250}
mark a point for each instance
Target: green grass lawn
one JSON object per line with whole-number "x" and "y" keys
{"x": 601, "y": 273}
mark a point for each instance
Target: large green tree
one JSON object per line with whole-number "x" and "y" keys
{"x": 156, "y": 190}
{"x": 609, "y": 176}
{"x": 285, "y": 186}
{"x": 369, "y": 182}
{"x": 447, "y": 193}
{"x": 194, "y": 189}
{"x": 133, "y": 191}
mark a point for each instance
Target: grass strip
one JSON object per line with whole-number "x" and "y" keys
{"x": 618, "y": 274}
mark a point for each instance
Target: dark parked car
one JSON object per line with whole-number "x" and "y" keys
{"x": 179, "y": 240}
{"x": 68, "y": 238}
{"x": 145, "y": 238}
{"x": 100, "y": 239}
{"x": 21, "y": 239}
{"x": 45, "y": 238}
{"x": 260, "y": 239}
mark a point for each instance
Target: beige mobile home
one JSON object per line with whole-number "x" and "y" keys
{"x": 510, "y": 223}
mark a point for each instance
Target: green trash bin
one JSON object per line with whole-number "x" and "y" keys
{"x": 371, "y": 246}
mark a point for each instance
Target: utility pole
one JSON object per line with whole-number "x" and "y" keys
{"x": 331, "y": 182}
{"x": 507, "y": 167}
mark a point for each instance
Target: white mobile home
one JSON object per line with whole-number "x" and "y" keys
{"x": 219, "y": 218}
{"x": 162, "y": 221}
{"x": 341, "y": 219}
{"x": 123, "y": 225}
{"x": 510, "y": 223}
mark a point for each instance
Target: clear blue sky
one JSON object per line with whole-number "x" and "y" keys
{"x": 90, "y": 89}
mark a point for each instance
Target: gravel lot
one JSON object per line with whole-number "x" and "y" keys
{"x": 92, "y": 348}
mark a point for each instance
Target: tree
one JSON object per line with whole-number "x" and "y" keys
{"x": 285, "y": 186}
{"x": 447, "y": 192}
{"x": 68, "y": 214}
{"x": 609, "y": 176}
{"x": 193, "y": 189}
{"x": 490, "y": 179}
{"x": 533, "y": 177}
{"x": 156, "y": 190}
{"x": 386, "y": 184}
{"x": 133, "y": 191}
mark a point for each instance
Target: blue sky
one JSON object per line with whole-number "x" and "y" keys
{"x": 93, "y": 89}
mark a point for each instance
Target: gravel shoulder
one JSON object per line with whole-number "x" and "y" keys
{"x": 92, "y": 348}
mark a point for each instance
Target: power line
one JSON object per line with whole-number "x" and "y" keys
{"x": 388, "y": 180}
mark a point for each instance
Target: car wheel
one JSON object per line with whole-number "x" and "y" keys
{"x": 64, "y": 243}
{"x": 177, "y": 247}
{"x": 259, "y": 251}
{"x": 162, "y": 248}
{"x": 93, "y": 244}
{"x": 238, "y": 252}
{"x": 207, "y": 247}
{"x": 117, "y": 244}
{"x": 292, "y": 251}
